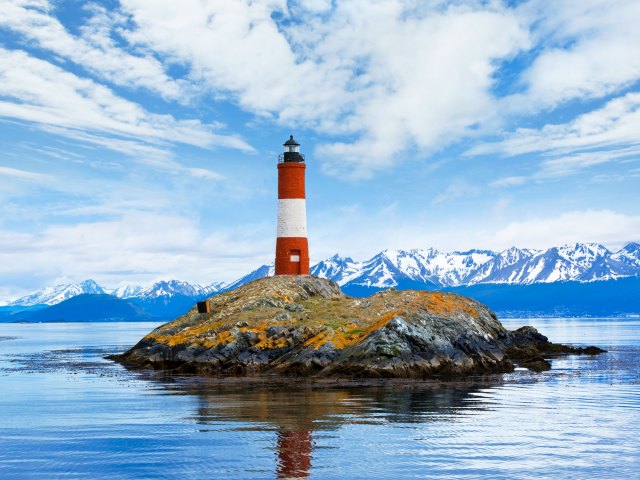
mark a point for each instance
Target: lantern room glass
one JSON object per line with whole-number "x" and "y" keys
{"x": 292, "y": 148}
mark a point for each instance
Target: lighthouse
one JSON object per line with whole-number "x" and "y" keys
{"x": 292, "y": 247}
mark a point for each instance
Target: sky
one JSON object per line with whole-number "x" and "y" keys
{"x": 139, "y": 139}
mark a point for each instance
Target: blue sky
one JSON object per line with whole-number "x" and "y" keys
{"x": 139, "y": 139}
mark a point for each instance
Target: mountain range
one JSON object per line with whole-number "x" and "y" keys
{"x": 569, "y": 266}
{"x": 430, "y": 268}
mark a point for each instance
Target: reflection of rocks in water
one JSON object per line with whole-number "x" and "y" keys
{"x": 295, "y": 411}
{"x": 284, "y": 408}
{"x": 322, "y": 407}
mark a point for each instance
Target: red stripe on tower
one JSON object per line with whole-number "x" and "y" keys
{"x": 292, "y": 247}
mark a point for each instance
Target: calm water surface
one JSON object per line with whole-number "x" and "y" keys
{"x": 65, "y": 412}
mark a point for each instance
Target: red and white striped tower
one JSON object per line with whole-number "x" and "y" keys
{"x": 292, "y": 247}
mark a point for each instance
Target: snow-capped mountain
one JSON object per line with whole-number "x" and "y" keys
{"x": 390, "y": 267}
{"x": 260, "y": 272}
{"x": 213, "y": 288}
{"x": 579, "y": 262}
{"x": 168, "y": 288}
{"x": 505, "y": 267}
{"x": 339, "y": 269}
{"x": 583, "y": 262}
{"x": 169, "y": 299}
{"x": 127, "y": 291}
{"x": 171, "y": 288}
{"x": 419, "y": 268}
{"x": 159, "y": 290}
{"x": 629, "y": 255}
{"x": 58, "y": 293}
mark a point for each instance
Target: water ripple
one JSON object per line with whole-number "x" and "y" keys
{"x": 69, "y": 413}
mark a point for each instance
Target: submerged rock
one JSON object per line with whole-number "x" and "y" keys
{"x": 304, "y": 325}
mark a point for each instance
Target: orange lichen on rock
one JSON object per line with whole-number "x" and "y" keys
{"x": 270, "y": 343}
{"x": 341, "y": 320}
{"x": 349, "y": 334}
{"x": 320, "y": 339}
{"x": 284, "y": 297}
{"x": 186, "y": 335}
{"x": 221, "y": 338}
{"x": 447, "y": 303}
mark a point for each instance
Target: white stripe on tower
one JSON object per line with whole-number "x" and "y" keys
{"x": 292, "y": 217}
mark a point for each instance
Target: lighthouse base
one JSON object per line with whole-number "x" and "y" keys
{"x": 292, "y": 256}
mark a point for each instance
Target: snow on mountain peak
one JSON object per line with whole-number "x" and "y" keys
{"x": 631, "y": 247}
{"x": 577, "y": 262}
{"x": 58, "y": 293}
{"x": 583, "y": 262}
{"x": 337, "y": 258}
{"x": 629, "y": 255}
{"x": 169, "y": 288}
{"x": 583, "y": 252}
{"x": 126, "y": 291}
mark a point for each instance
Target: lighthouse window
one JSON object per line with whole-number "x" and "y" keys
{"x": 291, "y": 148}
{"x": 295, "y": 258}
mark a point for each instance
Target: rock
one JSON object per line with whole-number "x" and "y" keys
{"x": 283, "y": 317}
{"x": 294, "y": 307}
{"x": 527, "y": 347}
{"x": 305, "y": 326}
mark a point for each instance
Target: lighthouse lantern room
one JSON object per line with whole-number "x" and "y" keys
{"x": 292, "y": 248}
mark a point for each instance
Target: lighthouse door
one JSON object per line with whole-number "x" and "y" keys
{"x": 295, "y": 262}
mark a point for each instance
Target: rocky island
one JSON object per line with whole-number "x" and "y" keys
{"x": 300, "y": 325}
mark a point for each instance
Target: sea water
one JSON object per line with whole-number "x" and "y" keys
{"x": 66, "y": 412}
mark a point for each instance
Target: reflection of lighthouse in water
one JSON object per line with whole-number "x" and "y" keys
{"x": 297, "y": 413}
{"x": 294, "y": 454}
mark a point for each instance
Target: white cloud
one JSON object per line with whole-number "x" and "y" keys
{"x": 388, "y": 80}
{"x": 237, "y": 49}
{"x": 556, "y": 168}
{"x": 599, "y": 226}
{"x": 608, "y": 134}
{"x": 496, "y": 224}
{"x": 512, "y": 181}
{"x": 589, "y": 49}
{"x": 568, "y": 165}
{"x": 617, "y": 177}
{"x": 129, "y": 248}
{"x": 37, "y": 91}
{"x": 395, "y": 75}
{"x": 205, "y": 173}
{"x": 94, "y": 49}
{"x": 456, "y": 189}
{"x": 616, "y": 124}
{"x": 378, "y": 82}
{"x": 24, "y": 174}
{"x": 316, "y": 5}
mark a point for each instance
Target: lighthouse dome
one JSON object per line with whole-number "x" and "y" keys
{"x": 291, "y": 141}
